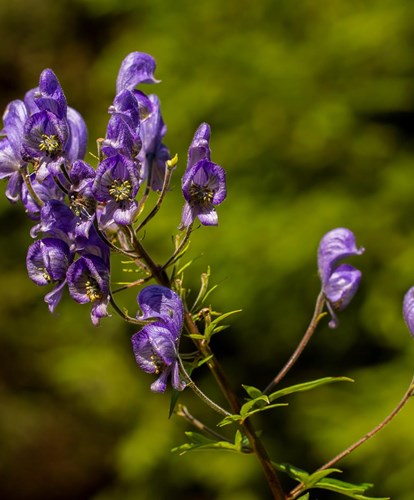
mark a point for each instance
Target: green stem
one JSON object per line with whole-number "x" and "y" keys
{"x": 26, "y": 178}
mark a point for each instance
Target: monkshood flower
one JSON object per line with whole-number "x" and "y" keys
{"x": 154, "y": 153}
{"x": 204, "y": 187}
{"x": 44, "y": 142}
{"x": 156, "y": 344}
{"x": 408, "y": 310}
{"x": 116, "y": 184}
{"x": 88, "y": 281}
{"x": 47, "y": 262}
{"x": 49, "y": 96}
{"x": 339, "y": 281}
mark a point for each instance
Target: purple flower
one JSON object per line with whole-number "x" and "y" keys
{"x": 408, "y": 309}
{"x": 44, "y": 141}
{"x": 47, "y": 262}
{"x": 156, "y": 345}
{"x": 116, "y": 184}
{"x": 204, "y": 187}
{"x": 339, "y": 281}
{"x": 88, "y": 281}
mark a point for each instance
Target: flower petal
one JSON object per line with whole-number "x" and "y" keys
{"x": 408, "y": 310}
{"x": 335, "y": 246}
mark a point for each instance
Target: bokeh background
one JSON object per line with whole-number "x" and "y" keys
{"x": 311, "y": 106}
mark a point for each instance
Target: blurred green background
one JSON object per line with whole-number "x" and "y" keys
{"x": 311, "y": 106}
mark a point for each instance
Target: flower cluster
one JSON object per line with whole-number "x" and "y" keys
{"x": 82, "y": 212}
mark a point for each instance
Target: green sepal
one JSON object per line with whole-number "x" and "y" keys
{"x": 307, "y": 386}
{"x": 200, "y": 442}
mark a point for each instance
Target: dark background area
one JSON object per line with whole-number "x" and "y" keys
{"x": 311, "y": 106}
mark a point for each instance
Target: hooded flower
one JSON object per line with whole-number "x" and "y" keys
{"x": 47, "y": 262}
{"x": 116, "y": 184}
{"x": 88, "y": 281}
{"x": 156, "y": 345}
{"x": 203, "y": 183}
{"x": 339, "y": 281}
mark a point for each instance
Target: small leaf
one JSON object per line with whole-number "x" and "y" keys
{"x": 210, "y": 330}
{"x": 307, "y": 386}
{"x": 318, "y": 475}
{"x": 350, "y": 490}
{"x": 253, "y": 392}
{"x": 204, "y": 360}
{"x": 173, "y": 401}
{"x": 200, "y": 442}
{"x": 294, "y": 472}
{"x": 304, "y": 497}
{"x": 259, "y": 401}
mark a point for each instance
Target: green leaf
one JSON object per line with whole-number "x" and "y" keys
{"x": 173, "y": 401}
{"x": 307, "y": 386}
{"x": 204, "y": 360}
{"x": 211, "y": 329}
{"x": 350, "y": 490}
{"x": 318, "y": 475}
{"x": 259, "y": 401}
{"x": 200, "y": 442}
{"x": 294, "y": 472}
{"x": 253, "y": 392}
{"x": 304, "y": 497}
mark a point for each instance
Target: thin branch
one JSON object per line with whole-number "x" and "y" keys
{"x": 409, "y": 393}
{"x": 317, "y": 316}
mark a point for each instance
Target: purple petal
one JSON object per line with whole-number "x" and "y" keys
{"x": 78, "y": 138}
{"x": 50, "y": 96}
{"x": 158, "y": 301}
{"x": 187, "y": 216}
{"x": 207, "y": 215}
{"x": 136, "y": 68}
{"x": 342, "y": 286}
{"x": 336, "y": 245}
{"x": 408, "y": 310}
{"x": 200, "y": 145}
{"x": 53, "y": 298}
